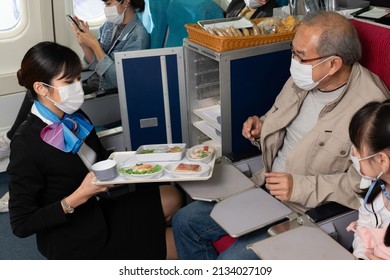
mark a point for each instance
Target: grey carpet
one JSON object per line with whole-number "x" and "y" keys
{"x": 12, "y": 247}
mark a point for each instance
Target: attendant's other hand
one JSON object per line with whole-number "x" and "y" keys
{"x": 279, "y": 184}
{"x": 252, "y": 128}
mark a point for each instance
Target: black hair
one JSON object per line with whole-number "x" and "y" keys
{"x": 138, "y": 5}
{"x": 45, "y": 61}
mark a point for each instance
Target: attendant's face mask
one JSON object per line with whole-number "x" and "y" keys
{"x": 253, "y": 4}
{"x": 302, "y": 74}
{"x": 72, "y": 97}
{"x": 112, "y": 15}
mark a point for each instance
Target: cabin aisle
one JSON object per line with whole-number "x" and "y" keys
{"x": 12, "y": 247}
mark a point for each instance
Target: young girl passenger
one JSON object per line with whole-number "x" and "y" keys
{"x": 370, "y": 134}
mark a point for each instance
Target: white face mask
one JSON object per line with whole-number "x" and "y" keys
{"x": 253, "y": 4}
{"x": 72, "y": 97}
{"x": 356, "y": 164}
{"x": 302, "y": 74}
{"x": 112, "y": 15}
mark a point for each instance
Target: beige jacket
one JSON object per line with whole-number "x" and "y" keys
{"x": 320, "y": 162}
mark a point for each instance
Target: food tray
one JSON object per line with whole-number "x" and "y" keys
{"x": 225, "y": 43}
{"x": 129, "y": 158}
{"x": 160, "y": 152}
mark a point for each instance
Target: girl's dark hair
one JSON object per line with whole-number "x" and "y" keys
{"x": 138, "y": 5}
{"x": 387, "y": 237}
{"x": 45, "y": 61}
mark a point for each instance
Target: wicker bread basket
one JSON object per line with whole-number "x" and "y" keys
{"x": 226, "y": 43}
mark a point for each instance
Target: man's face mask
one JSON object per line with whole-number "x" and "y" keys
{"x": 302, "y": 74}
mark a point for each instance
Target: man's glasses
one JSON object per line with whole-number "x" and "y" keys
{"x": 296, "y": 56}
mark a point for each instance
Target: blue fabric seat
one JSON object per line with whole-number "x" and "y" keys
{"x": 281, "y": 3}
{"x": 181, "y": 12}
{"x": 154, "y": 18}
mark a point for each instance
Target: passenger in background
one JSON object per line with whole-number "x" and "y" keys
{"x": 251, "y": 9}
{"x": 123, "y": 31}
{"x": 303, "y": 137}
{"x": 370, "y": 134}
{"x": 52, "y": 193}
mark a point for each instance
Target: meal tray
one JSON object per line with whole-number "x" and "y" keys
{"x": 226, "y": 43}
{"x": 129, "y": 158}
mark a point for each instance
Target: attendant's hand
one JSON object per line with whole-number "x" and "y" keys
{"x": 89, "y": 189}
{"x": 252, "y": 128}
{"x": 279, "y": 184}
{"x": 85, "y": 191}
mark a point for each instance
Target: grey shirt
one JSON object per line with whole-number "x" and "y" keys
{"x": 311, "y": 107}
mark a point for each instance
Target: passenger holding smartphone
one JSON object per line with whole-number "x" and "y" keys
{"x": 123, "y": 31}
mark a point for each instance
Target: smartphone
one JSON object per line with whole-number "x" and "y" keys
{"x": 74, "y": 22}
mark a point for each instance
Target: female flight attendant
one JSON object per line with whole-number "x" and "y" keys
{"x": 52, "y": 193}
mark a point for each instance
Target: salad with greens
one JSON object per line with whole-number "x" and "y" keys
{"x": 141, "y": 169}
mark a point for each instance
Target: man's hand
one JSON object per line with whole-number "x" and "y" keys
{"x": 279, "y": 184}
{"x": 251, "y": 128}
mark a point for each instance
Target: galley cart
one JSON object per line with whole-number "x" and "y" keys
{"x": 193, "y": 94}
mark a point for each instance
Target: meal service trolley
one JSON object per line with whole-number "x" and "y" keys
{"x": 193, "y": 94}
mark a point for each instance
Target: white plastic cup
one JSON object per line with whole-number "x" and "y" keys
{"x": 105, "y": 170}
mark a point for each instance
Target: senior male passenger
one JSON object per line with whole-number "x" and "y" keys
{"x": 304, "y": 136}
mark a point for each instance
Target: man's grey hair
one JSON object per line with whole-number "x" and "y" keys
{"x": 339, "y": 37}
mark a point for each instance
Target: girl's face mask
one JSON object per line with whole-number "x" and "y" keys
{"x": 356, "y": 163}
{"x": 72, "y": 97}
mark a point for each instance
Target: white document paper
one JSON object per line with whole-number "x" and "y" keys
{"x": 374, "y": 13}
{"x": 237, "y": 24}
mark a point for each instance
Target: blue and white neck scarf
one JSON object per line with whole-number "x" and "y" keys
{"x": 67, "y": 134}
